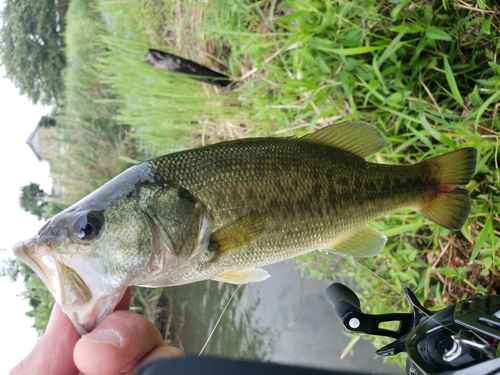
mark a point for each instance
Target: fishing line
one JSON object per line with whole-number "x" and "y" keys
{"x": 356, "y": 263}
{"x": 224, "y": 310}
{"x": 218, "y": 320}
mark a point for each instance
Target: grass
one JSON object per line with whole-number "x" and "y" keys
{"x": 426, "y": 73}
{"x": 162, "y": 106}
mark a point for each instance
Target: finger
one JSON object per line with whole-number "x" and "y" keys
{"x": 53, "y": 353}
{"x": 118, "y": 343}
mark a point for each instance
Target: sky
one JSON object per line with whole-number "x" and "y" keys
{"x": 18, "y": 167}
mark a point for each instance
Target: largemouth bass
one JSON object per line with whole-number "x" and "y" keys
{"x": 222, "y": 211}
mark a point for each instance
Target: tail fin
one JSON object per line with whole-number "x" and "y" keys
{"x": 450, "y": 206}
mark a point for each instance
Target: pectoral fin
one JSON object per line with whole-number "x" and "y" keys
{"x": 238, "y": 233}
{"x": 250, "y": 275}
{"x": 364, "y": 242}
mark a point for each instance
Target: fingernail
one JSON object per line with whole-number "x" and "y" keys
{"x": 104, "y": 337}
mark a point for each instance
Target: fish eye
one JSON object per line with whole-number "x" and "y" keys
{"x": 87, "y": 227}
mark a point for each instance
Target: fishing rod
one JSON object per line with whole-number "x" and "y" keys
{"x": 461, "y": 339}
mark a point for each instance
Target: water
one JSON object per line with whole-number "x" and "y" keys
{"x": 285, "y": 319}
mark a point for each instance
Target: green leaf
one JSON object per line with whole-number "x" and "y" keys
{"x": 447, "y": 271}
{"x": 427, "y": 281}
{"x": 485, "y": 272}
{"x": 494, "y": 66}
{"x": 295, "y": 15}
{"x": 491, "y": 99}
{"x": 475, "y": 98}
{"x": 412, "y": 28}
{"x": 492, "y": 82}
{"x": 462, "y": 270}
{"x": 482, "y": 238}
{"x": 355, "y": 50}
{"x": 323, "y": 66}
{"x": 322, "y": 45}
{"x": 398, "y": 8}
{"x": 401, "y": 229}
{"x": 306, "y": 56}
{"x": 395, "y": 98}
{"x": 487, "y": 262}
{"x": 436, "y": 33}
{"x": 450, "y": 77}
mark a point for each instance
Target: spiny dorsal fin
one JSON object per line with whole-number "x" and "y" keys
{"x": 363, "y": 242}
{"x": 250, "y": 275}
{"x": 238, "y": 233}
{"x": 359, "y": 138}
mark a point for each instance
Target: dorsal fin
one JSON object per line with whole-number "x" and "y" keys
{"x": 359, "y": 138}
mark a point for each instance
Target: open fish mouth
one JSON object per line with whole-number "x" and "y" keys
{"x": 85, "y": 302}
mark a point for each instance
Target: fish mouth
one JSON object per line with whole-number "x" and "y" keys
{"x": 40, "y": 259}
{"x": 86, "y": 300}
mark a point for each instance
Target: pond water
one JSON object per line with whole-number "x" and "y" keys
{"x": 284, "y": 319}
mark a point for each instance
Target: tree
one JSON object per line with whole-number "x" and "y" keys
{"x": 32, "y": 47}
{"x": 46, "y": 122}
{"x": 37, "y": 202}
{"x": 32, "y": 200}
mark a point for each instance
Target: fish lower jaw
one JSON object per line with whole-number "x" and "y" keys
{"x": 86, "y": 318}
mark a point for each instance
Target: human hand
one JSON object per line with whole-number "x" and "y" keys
{"x": 119, "y": 345}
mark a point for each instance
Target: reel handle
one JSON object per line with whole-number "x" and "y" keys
{"x": 342, "y": 299}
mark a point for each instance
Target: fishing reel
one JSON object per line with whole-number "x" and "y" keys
{"x": 461, "y": 339}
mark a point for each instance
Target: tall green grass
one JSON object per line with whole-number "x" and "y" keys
{"x": 89, "y": 141}
{"x": 168, "y": 110}
{"x": 160, "y": 105}
{"x": 83, "y": 78}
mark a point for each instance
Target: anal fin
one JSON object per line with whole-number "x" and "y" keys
{"x": 363, "y": 242}
{"x": 250, "y": 275}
